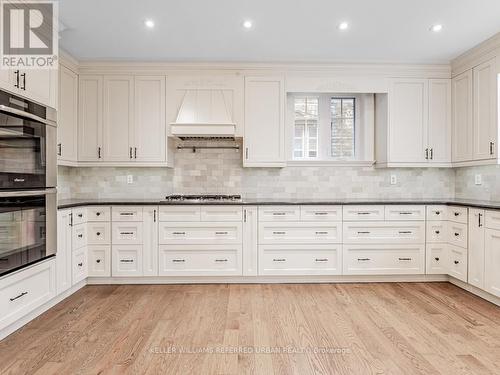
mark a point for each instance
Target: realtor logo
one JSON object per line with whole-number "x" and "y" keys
{"x": 29, "y": 37}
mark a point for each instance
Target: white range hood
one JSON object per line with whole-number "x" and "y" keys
{"x": 205, "y": 113}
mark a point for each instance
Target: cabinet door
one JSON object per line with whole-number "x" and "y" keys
{"x": 264, "y": 122}
{"x": 99, "y": 262}
{"x": 150, "y": 241}
{"x": 439, "y": 126}
{"x": 118, "y": 118}
{"x": 64, "y": 252}
{"x": 476, "y": 247}
{"x": 492, "y": 262}
{"x": 126, "y": 260}
{"x": 485, "y": 119}
{"x": 149, "y": 125}
{"x": 462, "y": 117}
{"x": 67, "y": 115}
{"x": 39, "y": 85}
{"x": 408, "y": 119}
{"x": 90, "y": 118}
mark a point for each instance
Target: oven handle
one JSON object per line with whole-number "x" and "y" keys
{"x": 18, "y": 112}
{"x": 27, "y": 193}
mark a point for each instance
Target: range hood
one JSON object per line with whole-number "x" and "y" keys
{"x": 205, "y": 114}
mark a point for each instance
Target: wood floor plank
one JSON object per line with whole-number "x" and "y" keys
{"x": 386, "y": 328}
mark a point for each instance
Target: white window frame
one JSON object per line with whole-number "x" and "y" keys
{"x": 305, "y": 137}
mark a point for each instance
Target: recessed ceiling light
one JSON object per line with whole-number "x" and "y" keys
{"x": 343, "y": 26}
{"x": 149, "y": 23}
{"x": 247, "y": 24}
{"x": 437, "y": 28}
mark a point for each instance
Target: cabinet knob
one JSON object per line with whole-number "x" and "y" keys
{"x": 98, "y": 261}
{"x": 437, "y": 232}
{"x": 436, "y": 259}
{"x": 80, "y": 236}
{"x": 456, "y": 262}
{"x": 80, "y": 215}
{"x": 97, "y": 214}
{"x": 80, "y": 264}
{"x": 457, "y": 234}
{"x": 98, "y": 233}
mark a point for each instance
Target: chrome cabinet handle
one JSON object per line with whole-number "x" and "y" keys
{"x": 126, "y": 213}
{"x": 279, "y": 233}
{"x": 126, "y": 233}
{"x": 279, "y": 213}
{"x": 220, "y": 260}
{"x": 221, "y": 233}
{"x": 321, "y": 260}
{"x": 126, "y": 260}
{"x": 363, "y": 259}
{"x": 405, "y": 259}
{"x": 321, "y": 233}
{"x": 363, "y": 232}
{"x": 178, "y": 260}
{"x": 405, "y": 232}
{"x": 178, "y": 233}
{"x": 406, "y": 213}
{"x": 19, "y": 296}
{"x": 363, "y": 213}
{"x": 279, "y": 260}
{"x": 321, "y": 213}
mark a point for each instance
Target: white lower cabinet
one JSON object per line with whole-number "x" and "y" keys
{"x": 79, "y": 265}
{"x": 200, "y": 233}
{"x": 437, "y": 259}
{"x": 492, "y": 262}
{"x": 384, "y": 232}
{"x": 99, "y": 260}
{"x": 300, "y": 259}
{"x": 200, "y": 260}
{"x": 300, "y": 233}
{"x": 24, "y": 291}
{"x": 126, "y": 260}
{"x": 457, "y": 262}
{"x": 64, "y": 259}
{"x": 150, "y": 241}
{"x": 476, "y": 247}
{"x": 383, "y": 259}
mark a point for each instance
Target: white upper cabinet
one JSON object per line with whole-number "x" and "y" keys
{"x": 118, "y": 119}
{"x": 462, "y": 117}
{"x": 485, "y": 110}
{"x": 408, "y": 120}
{"x": 39, "y": 85}
{"x": 121, "y": 120}
{"x": 439, "y": 126}
{"x": 150, "y": 125}
{"x": 264, "y": 122}
{"x": 90, "y": 118}
{"x": 67, "y": 136}
{"x": 417, "y": 129}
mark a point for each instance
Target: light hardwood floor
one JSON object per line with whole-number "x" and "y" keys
{"x": 399, "y": 328}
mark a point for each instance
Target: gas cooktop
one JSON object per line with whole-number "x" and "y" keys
{"x": 203, "y": 198}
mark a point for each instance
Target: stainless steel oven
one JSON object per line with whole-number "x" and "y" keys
{"x": 27, "y": 228}
{"x": 28, "y": 139}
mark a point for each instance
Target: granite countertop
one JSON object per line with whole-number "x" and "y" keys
{"x": 68, "y": 203}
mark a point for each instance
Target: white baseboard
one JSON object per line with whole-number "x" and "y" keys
{"x": 472, "y": 289}
{"x": 265, "y": 279}
{"x": 40, "y": 310}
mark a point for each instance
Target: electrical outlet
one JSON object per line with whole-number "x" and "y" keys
{"x": 478, "y": 179}
{"x": 130, "y": 179}
{"x": 394, "y": 179}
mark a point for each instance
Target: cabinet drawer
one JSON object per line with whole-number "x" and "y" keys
{"x": 200, "y": 233}
{"x": 221, "y": 213}
{"x": 127, "y": 233}
{"x": 437, "y": 213}
{"x": 321, "y": 213}
{"x": 79, "y": 265}
{"x": 99, "y": 261}
{"x": 180, "y": 213}
{"x": 24, "y": 291}
{"x": 98, "y": 213}
{"x": 126, "y": 260}
{"x": 457, "y": 214}
{"x": 436, "y": 232}
{"x": 79, "y": 215}
{"x": 98, "y": 233}
{"x": 492, "y": 219}
{"x": 457, "y": 234}
{"x": 200, "y": 260}
{"x": 437, "y": 259}
{"x": 383, "y": 259}
{"x": 384, "y": 232}
{"x": 126, "y": 213}
{"x": 457, "y": 262}
{"x": 363, "y": 213}
{"x": 404, "y": 213}
{"x": 300, "y": 259}
{"x": 79, "y": 236}
{"x": 300, "y": 233}
{"x": 279, "y": 213}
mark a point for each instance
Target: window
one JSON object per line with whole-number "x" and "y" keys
{"x": 342, "y": 127}
{"x": 305, "y": 141}
{"x": 331, "y": 127}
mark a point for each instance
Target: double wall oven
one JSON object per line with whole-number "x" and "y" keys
{"x": 28, "y": 177}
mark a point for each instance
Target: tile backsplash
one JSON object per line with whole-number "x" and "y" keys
{"x": 465, "y": 187}
{"x": 220, "y": 171}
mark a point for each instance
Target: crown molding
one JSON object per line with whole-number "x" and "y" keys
{"x": 484, "y": 51}
{"x": 68, "y": 61}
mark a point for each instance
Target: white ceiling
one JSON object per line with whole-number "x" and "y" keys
{"x": 284, "y": 30}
